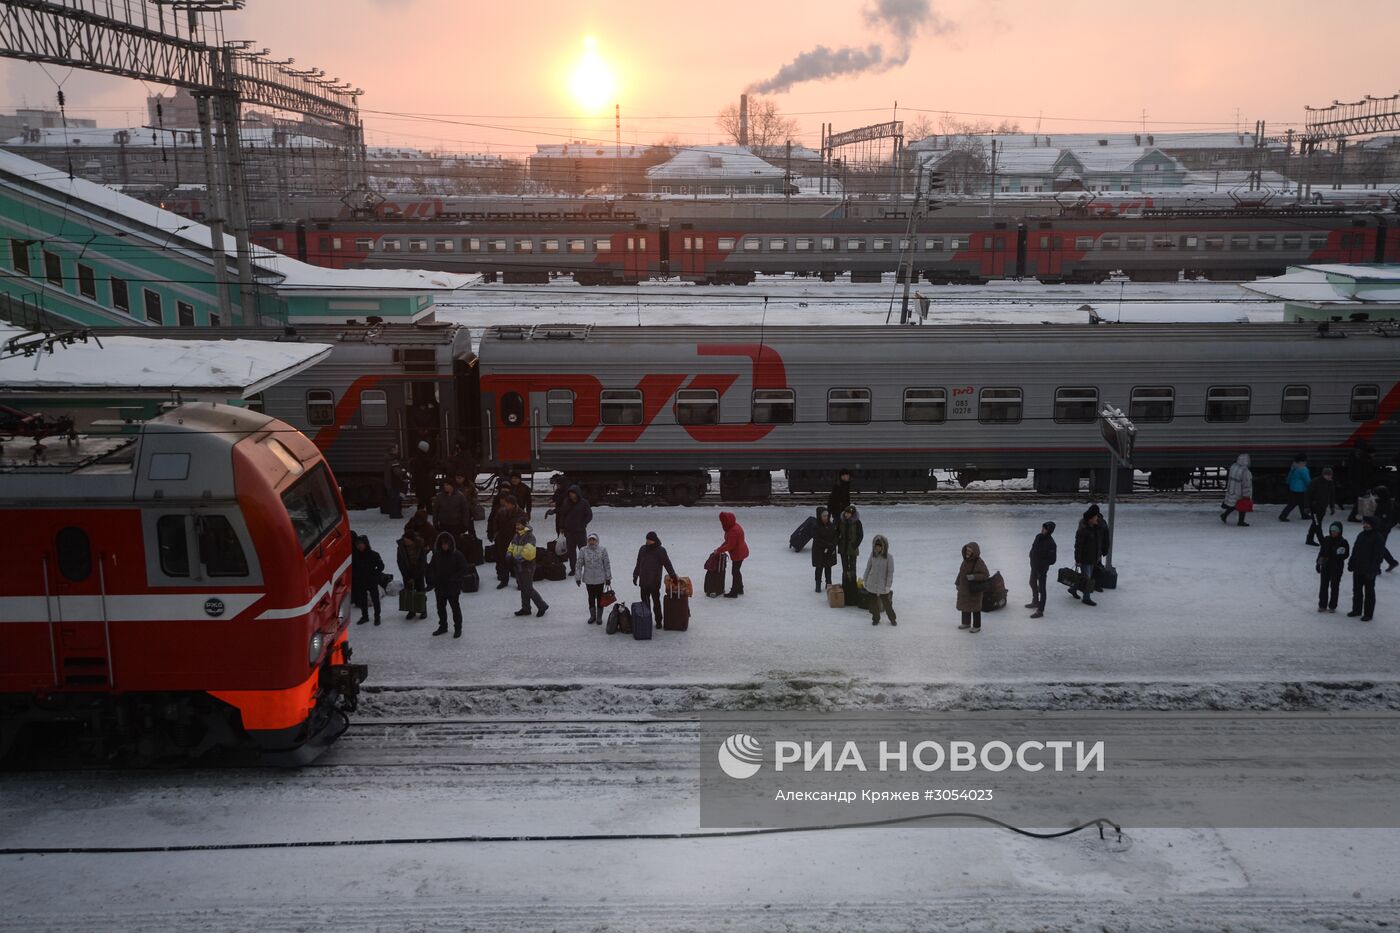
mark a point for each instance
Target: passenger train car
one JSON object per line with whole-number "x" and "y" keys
{"x": 1158, "y": 246}
{"x": 174, "y": 592}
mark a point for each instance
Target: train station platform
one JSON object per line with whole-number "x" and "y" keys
{"x": 95, "y": 257}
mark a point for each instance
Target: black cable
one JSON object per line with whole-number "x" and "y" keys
{"x": 1099, "y": 822}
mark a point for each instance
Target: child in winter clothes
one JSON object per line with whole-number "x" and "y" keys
{"x": 879, "y": 580}
{"x": 365, "y": 568}
{"x": 1043, "y": 556}
{"x": 595, "y": 572}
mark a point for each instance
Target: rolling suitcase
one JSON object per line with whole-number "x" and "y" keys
{"x": 715, "y": 569}
{"x": 471, "y": 581}
{"x": 675, "y": 605}
{"x": 799, "y": 538}
{"x": 642, "y": 622}
{"x": 473, "y": 550}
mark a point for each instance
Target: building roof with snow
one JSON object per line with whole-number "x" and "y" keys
{"x": 718, "y": 163}
{"x": 1334, "y": 291}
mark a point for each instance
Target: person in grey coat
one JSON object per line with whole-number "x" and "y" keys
{"x": 594, "y": 572}
{"x": 879, "y": 580}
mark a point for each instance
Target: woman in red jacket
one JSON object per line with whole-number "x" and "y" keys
{"x": 735, "y": 547}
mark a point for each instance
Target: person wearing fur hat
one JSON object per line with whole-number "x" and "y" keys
{"x": 652, "y": 559}
{"x": 1331, "y": 561}
{"x": 1043, "y": 557}
{"x": 879, "y": 580}
{"x": 594, "y": 572}
{"x": 1367, "y": 555}
{"x": 522, "y": 551}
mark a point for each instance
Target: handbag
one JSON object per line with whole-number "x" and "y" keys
{"x": 1245, "y": 504}
{"x": 978, "y": 586}
{"x": 607, "y": 599}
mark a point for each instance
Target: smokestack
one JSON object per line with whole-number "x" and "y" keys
{"x": 743, "y": 119}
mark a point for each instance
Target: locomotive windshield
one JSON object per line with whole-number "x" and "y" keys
{"x": 313, "y": 508}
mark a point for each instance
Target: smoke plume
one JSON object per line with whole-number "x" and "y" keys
{"x": 900, "y": 19}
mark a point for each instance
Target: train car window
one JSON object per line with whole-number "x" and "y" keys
{"x": 559, "y": 406}
{"x": 855, "y": 245}
{"x": 903, "y": 244}
{"x": 528, "y": 246}
{"x": 1264, "y": 242}
{"x": 172, "y": 545}
{"x": 1045, "y": 242}
{"x": 848, "y": 406}
{"x": 1296, "y": 402}
{"x": 880, "y": 244}
{"x": 550, "y": 245}
{"x": 1137, "y": 242}
{"x": 1108, "y": 242}
{"x": 512, "y": 409}
{"x": 688, "y": 243}
{"x": 1189, "y": 241}
{"x": 925, "y": 406}
{"x": 168, "y": 467}
{"x": 1317, "y": 241}
{"x": 19, "y": 256}
{"x": 697, "y": 406}
{"x": 74, "y": 552}
{"x": 445, "y": 246}
{"x": 752, "y": 244}
{"x": 312, "y": 506}
{"x": 774, "y": 406}
{"x": 777, "y": 244}
{"x": 53, "y": 268}
{"x": 374, "y": 408}
{"x": 1163, "y": 242}
{"x": 602, "y": 246}
{"x": 828, "y": 243}
{"x": 578, "y": 246}
{"x": 1152, "y": 404}
{"x": 934, "y": 245}
{"x": 87, "y": 281}
{"x": 184, "y": 312}
{"x": 1227, "y": 403}
{"x": 999, "y": 406}
{"x": 335, "y": 243}
{"x": 392, "y": 245}
{"x": 214, "y": 319}
{"x": 320, "y": 407}
{"x": 642, "y": 243}
{"x": 474, "y": 244}
{"x": 417, "y": 246}
{"x": 325, "y": 242}
{"x": 1076, "y": 405}
{"x": 726, "y": 242}
{"x": 364, "y": 244}
{"x": 957, "y": 242}
{"x": 802, "y": 244}
{"x": 1215, "y": 242}
{"x": 120, "y": 299}
{"x": 1364, "y": 401}
{"x": 1083, "y": 242}
{"x": 621, "y": 406}
{"x": 1239, "y": 242}
{"x": 986, "y": 242}
{"x": 498, "y": 245}
{"x": 1293, "y": 242}
{"x": 220, "y": 551}
{"x": 154, "y": 312}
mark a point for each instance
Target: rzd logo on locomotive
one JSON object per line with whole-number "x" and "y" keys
{"x": 214, "y": 607}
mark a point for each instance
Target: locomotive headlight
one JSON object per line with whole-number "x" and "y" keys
{"x": 343, "y": 613}
{"x": 318, "y": 641}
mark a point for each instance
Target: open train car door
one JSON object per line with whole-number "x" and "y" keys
{"x": 466, "y": 384}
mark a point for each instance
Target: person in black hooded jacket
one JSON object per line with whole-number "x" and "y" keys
{"x": 1331, "y": 561}
{"x": 840, "y": 496}
{"x": 446, "y": 571}
{"x": 1044, "y": 553}
{"x": 651, "y": 560}
{"x": 574, "y": 516}
{"x": 823, "y": 548}
{"x": 365, "y": 568}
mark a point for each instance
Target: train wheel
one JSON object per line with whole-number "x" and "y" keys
{"x": 684, "y": 494}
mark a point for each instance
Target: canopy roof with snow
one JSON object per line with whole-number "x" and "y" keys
{"x": 1335, "y": 291}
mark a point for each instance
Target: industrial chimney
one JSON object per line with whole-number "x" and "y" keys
{"x": 743, "y": 119}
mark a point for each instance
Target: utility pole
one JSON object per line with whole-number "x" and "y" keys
{"x": 237, "y": 186}
{"x": 787, "y": 180}
{"x": 617, "y": 151}
{"x": 992, "y": 201}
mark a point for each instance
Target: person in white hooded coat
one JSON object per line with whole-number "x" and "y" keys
{"x": 1239, "y": 484}
{"x": 879, "y": 580}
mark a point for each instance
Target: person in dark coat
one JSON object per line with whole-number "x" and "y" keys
{"x": 560, "y": 493}
{"x": 461, "y": 464}
{"x": 452, "y": 514}
{"x": 823, "y": 548}
{"x": 466, "y": 488}
{"x": 365, "y": 568}
{"x": 394, "y": 477}
{"x": 413, "y": 565}
{"x": 423, "y": 471}
{"x": 652, "y": 559}
{"x": 737, "y": 548}
{"x": 840, "y": 496}
{"x": 972, "y": 570}
{"x": 446, "y": 571}
{"x": 1088, "y": 548}
{"x": 500, "y": 528}
{"x": 574, "y": 524}
{"x": 1044, "y": 553}
{"x": 1385, "y": 520}
{"x": 1367, "y": 554}
{"x": 522, "y": 550}
{"x": 1361, "y": 475}
{"x": 849, "y": 534}
{"x": 513, "y": 486}
{"x": 1322, "y": 500}
{"x": 1331, "y": 561}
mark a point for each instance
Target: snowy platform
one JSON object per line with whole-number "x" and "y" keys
{"x": 1197, "y": 602}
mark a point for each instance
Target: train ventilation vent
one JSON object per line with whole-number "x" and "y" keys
{"x": 416, "y": 359}
{"x": 560, "y": 331}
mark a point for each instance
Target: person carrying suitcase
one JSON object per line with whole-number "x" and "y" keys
{"x": 735, "y": 546}
{"x": 594, "y": 572}
{"x": 652, "y": 559}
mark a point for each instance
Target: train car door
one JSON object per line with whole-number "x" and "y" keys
{"x": 512, "y": 431}
{"x": 1049, "y": 258}
{"x": 994, "y": 252}
{"x": 634, "y": 258}
{"x": 75, "y": 590}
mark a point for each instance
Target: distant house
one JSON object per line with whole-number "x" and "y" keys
{"x": 968, "y": 168}
{"x": 582, "y": 167}
{"x": 716, "y": 171}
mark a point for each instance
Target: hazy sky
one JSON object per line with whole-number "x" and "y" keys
{"x": 495, "y": 75}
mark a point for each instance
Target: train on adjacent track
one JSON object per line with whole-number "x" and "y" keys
{"x": 1154, "y": 246}
{"x": 180, "y": 591}
{"x": 647, "y": 413}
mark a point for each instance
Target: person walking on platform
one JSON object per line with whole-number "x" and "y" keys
{"x": 1299, "y": 479}
{"x": 1088, "y": 548}
{"x": 522, "y": 551}
{"x": 413, "y": 565}
{"x": 1322, "y": 500}
{"x": 1043, "y": 556}
{"x": 500, "y": 528}
{"x": 1331, "y": 561}
{"x": 1239, "y": 491}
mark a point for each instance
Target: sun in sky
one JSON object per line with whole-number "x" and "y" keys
{"x": 592, "y": 82}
